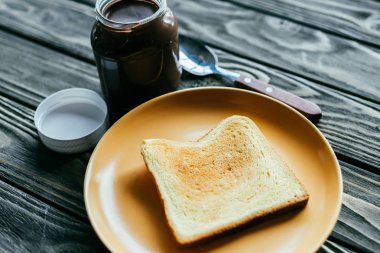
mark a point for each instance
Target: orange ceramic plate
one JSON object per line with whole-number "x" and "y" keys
{"x": 122, "y": 201}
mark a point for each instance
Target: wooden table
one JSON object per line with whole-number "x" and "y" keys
{"x": 325, "y": 51}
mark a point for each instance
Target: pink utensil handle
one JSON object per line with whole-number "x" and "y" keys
{"x": 306, "y": 108}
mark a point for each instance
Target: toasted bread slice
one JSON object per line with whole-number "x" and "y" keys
{"x": 229, "y": 177}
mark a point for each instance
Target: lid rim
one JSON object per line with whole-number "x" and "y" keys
{"x": 72, "y": 96}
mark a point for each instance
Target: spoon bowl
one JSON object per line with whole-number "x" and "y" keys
{"x": 196, "y": 58}
{"x": 200, "y": 60}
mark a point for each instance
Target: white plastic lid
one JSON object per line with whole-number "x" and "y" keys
{"x": 71, "y": 120}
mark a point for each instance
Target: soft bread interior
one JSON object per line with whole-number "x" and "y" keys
{"x": 228, "y": 177}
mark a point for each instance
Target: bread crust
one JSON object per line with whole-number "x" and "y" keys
{"x": 163, "y": 207}
{"x": 247, "y": 221}
{"x": 255, "y": 219}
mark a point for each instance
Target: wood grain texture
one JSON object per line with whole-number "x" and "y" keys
{"x": 332, "y": 247}
{"x": 347, "y": 122}
{"x": 31, "y": 72}
{"x": 359, "y": 221}
{"x": 59, "y": 178}
{"x": 345, "y": 65}
{"x": 304, "y": 51}
{"x": 25, "y": 162}
{"x": 29, "y": 225}
{"x": 351, "y": 124}
{"x": 64, "y": 25}
{"x": 356, "y": 19}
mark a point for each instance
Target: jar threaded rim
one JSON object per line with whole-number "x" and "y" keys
{"x": 102, "y": 5}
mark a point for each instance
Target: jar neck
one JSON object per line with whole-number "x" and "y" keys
{"x": 102, "y": 7}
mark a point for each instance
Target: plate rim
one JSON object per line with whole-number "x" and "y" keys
{"x": 335, "y": 215}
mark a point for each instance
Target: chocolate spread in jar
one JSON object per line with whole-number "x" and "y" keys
{"x": 135, "y": 45}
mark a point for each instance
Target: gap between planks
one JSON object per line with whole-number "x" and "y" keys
{"x": 53, "y": 47}
{"x": 86, "y": 56}
{"x": 344, "y": 158}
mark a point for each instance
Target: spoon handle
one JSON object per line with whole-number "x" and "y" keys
{"x": 306, "y": 108}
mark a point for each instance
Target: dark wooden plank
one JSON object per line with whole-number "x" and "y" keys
{"x": 332, "y": 247}
{"x": 356, "y": 225}
{"x": 31, "y": 72}
{"x": 29, "y": 225}
{"x": 359, "y": 221}
{"x": 25, "y": 162}
{"x": 29, "y": 219}
{"x": 64, "y": 25}
{"x": 58, "y": 179}
{"x": 347, "y": 122}
{"x": 356, "y": 19}
{"x": 333, "y": 103}
{"x": 346, "y": 65}
{"x": 88, "y": 2}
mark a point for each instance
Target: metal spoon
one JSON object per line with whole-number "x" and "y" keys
{"x": 200, "y": 60}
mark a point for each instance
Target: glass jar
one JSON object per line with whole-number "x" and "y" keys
{"x": 135, "y": 44}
